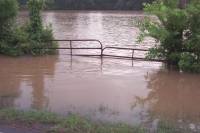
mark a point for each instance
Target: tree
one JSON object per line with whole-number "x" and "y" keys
{"x": 36, "y": 26}
{"x": 9, "y": 34}
{"x": 8, "y": 12}
{"x": 177, "y": 31}
{"x": 39, "y": 35}
{"x": 32, "y": 39}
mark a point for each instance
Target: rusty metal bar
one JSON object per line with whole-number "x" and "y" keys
{"x": 79, "y": 40}
{"x": 132, "y": 57}
{"x": 125, "y": 48}
{"x": 86, "y": 55}
{"x": 117, "y": 56}
{"x": 135, "y": 58}
{"x": 103, "y": 49}
{"x": 69, "y": 48}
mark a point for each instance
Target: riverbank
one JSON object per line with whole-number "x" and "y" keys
{"x": 34, "y": 121}
{"x": 50, "y": 122}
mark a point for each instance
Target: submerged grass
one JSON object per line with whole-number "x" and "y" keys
{"x": 70, "y": 124}
{"x": 73, "y": 123}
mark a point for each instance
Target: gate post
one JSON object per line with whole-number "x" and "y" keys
{"x": 70, "y": 43}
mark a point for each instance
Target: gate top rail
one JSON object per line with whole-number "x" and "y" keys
{"x": 78, "y": 40}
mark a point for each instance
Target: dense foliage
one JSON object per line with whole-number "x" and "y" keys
{"x": 8, "y": 12}
{"x": 15, "y": 40}
{"x": 177, "y": 31}
{"x": 95, "y": 4}
{"x": 38, "y": 34}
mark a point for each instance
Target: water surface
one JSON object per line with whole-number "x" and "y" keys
{"x": 108, "y": 90}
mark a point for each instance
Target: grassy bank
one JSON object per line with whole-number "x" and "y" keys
{"x": 70, "y": 124}
{"x": 73, "y": 123}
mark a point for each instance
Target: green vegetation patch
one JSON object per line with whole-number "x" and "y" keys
{"x": 70, "y": 124}
{"x": 176, "y": 29}
{"x": 76, "y": 124}
{"x": 29, "y": 39}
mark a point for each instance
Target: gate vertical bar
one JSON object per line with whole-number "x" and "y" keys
{"x": 133, "y": 57}
{"x": 133, "y": 54}
{"x": 70, "y": 43}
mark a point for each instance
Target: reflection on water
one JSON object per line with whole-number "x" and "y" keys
{"x": 174, "y": 96}
{"x": 112, "y": 92}
{"x": 106, "y": 90}
{"x": 85, "y": 86}
{"x": 16, "y": 72}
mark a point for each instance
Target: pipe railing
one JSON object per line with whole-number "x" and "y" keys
{"x": 80, "y": 40}
{"x": 132, "y": 57}
{"x": 120, "y": 48}
{"x": 102, "y": 49}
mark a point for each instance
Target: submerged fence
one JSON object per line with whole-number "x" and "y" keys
{"x": 102, "y": 50}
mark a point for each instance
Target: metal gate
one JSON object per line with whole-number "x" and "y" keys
{"x": 102, "y": 50}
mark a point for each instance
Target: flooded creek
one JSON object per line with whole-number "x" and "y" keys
{"x": 108, "y": 90}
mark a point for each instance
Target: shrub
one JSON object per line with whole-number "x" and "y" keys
{"x": 14, "y": 44}
{"x": 189, "y": 62}
{"x": 29, "y": 39}
{"x": 38, "y": 34}
{"x": 35, "y": 26}
{"x": 8, "y": 12}
{"x": 176, "y": 30}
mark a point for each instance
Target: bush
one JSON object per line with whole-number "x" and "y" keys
{"x": 38, "y": 34}
{"x": 15, "y": 43}
{"x": 29, "y": 39}
{"x": 188, "y": 62}
{"x": 35, "y": 26}
{"x": 177, "y": 32}
{"x": 8, "y": 12}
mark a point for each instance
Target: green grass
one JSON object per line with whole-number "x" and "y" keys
{"x": 70, "y": 124}
{"x": 74, "y": 123}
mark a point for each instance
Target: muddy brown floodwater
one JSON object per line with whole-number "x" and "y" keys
{"x": 108, "y": 90}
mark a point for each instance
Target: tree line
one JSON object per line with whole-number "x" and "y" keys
{"x": 94, "y": 4}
